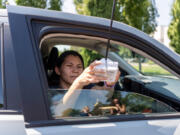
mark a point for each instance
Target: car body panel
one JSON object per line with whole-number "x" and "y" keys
{"x": 151, "y": 127}
{"x": 3, "y": 15}
{"x": 10, "y": 82}
{"x": 12, "y": 124}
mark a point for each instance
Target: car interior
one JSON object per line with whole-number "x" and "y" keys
{"x": 99, "y": 102}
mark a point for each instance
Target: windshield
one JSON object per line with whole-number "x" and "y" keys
{"x": 142, "y": 64}
{"x": 155, "y": 78}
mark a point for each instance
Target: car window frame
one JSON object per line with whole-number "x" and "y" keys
{"x": 44, "y": 31}
{"x": 60, "y": 121}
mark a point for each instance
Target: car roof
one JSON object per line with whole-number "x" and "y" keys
{"x": 92, "y": 20}
{"x": 89, "y": 19}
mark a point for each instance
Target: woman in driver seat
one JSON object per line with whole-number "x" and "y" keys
{"x": 72, "y": 76}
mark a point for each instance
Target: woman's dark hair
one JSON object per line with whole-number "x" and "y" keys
{"x": 53, "y": 80}
{"x": 63, "y": 56}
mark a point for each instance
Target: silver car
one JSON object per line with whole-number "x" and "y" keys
{"x": 148, "y": 87}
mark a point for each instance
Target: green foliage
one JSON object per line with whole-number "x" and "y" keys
{"x": 140, "y": 14}
{"x": 70, "y": 112}
{"x": 124, "y": 52}
{"x": 136, "y": 103}
{"x": 89, "y": 56}
{"x": 1, "y": 4}
{"x": 94, "y": 7}
{"x": 32, "y": 3}
{"x": 55, "y": 5}
{"x": 152, "y": 69}
{"x": 174, "y": 28}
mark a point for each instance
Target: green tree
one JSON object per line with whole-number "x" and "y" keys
{"x": 55, "y": 5}
{"x": 1, "y": 4}
{"x": 89, "y": 56}
{"x": 140, "y": 14}
{"x": 174, "y": 28}
{"x": 32, "y": 3}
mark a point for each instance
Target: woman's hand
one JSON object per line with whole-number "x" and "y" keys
{"x": 89, "y": 75}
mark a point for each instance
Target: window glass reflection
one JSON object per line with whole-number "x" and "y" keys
{"x": 90, "y": 103}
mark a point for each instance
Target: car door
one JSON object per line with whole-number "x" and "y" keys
{"x": 11, "y": 118}
{"x": 29, "y": 26}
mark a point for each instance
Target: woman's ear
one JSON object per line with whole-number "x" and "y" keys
{"x": 57, "y": 70}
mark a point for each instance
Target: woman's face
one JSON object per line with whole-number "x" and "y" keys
{"x": 70, "y": 69}
{"x": 115, "y": 101}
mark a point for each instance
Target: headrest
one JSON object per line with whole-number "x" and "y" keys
{"x": 52, "y": 58}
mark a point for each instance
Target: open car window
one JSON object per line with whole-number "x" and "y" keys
{"x": 137, "y": 92}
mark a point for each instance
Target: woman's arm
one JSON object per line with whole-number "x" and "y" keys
{"x": 87, "y": 76}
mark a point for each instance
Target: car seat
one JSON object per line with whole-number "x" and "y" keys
{"x": 53, "y": 78}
